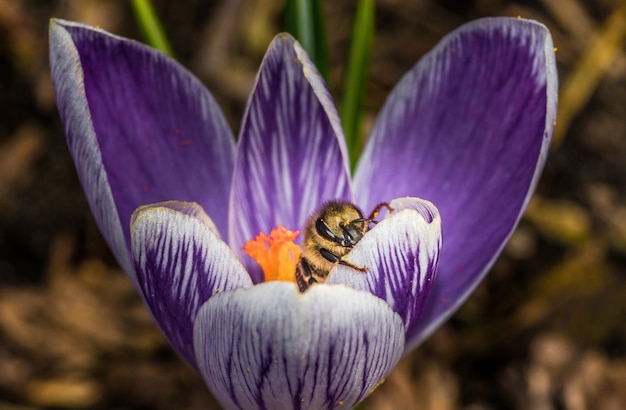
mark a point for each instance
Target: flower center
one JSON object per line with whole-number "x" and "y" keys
{"x": 276, "y": 253}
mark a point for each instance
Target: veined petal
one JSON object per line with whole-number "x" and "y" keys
{"x": 468, "y": 128}
{"x": 401, "y": 255}
{"x": 69, "y": 88}
{"x": 181, "y": 263}
{"x": 291, "y": 154}
{"x": 141, "y": 129}
{"x": 270, "y": 347}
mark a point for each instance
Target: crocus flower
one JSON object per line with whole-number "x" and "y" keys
{"x": 177, "y": 200}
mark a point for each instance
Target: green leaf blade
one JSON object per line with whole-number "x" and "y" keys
{"x": 151, "y": 27}
{"x": 305, "y": 20}
{"x": 351, "y": 108}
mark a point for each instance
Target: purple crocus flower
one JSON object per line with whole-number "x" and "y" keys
{"x": 467, "y": 128}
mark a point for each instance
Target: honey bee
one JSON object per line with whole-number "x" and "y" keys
{"x": 329, "y": 235}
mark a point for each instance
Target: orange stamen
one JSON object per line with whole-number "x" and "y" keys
{"x": 277, "y": 254}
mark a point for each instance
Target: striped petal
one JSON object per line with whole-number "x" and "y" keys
{"x": 141, "y": 129}
{"x": 291, "y": 154}
{"x": 270, "y": 347}
{"x": 401, "y": 255}
{"x": 181, "y": 263}
{"x": 468, "y": 128}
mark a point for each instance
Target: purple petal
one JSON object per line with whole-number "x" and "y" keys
{"x": 291, "y": 155}
{"x": 467, "y": 128}
{"x": 270, "y": 347}
{"x": 401, "y": 255}
{"x": 140, "y": 127}
{"x": 180, "y": 263}
{"x": 67, "y": 78}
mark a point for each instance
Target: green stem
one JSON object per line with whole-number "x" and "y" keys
{"x": 322, "y": 61}
{"x": 305, "y": 21}
{"x": 306, "y": 36}
{"x": 351, "y": 107}
{"x": 150, "y": 26}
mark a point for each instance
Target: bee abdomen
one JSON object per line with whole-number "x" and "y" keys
{"x": 306, "y": 275}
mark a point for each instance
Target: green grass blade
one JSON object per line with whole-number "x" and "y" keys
{"x": 351, "y": 107}
{"x": 304, "y": 19}
{"x": 151, "y": 26}
{"x": 321, "y": 59}
{"x": 299, "y": 23}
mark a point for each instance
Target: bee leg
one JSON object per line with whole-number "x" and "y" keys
{"x": 377, "y": 209}
{"x": 346, "y": 263}
{"x": 304, "y": 276}
{"x": 333, "y": 258}
{"x": 329, "y": 256}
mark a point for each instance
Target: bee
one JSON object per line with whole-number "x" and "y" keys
{"x": 329, "y": 235}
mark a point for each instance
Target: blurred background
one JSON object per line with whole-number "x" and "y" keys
{"x": 546, "y": 330}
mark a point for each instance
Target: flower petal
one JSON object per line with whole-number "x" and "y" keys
{"x": 291, "y": 154}
{"x": 468, "y": 128}
{"x": 401, "y": 255}
{"x": 270, "y": 347}
{"x": 140, "y": 127}
{"x": 67, "y": 77}
{"x": 181, "y": 263}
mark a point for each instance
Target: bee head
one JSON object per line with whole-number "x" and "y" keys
{"x": 341, "y": 223}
